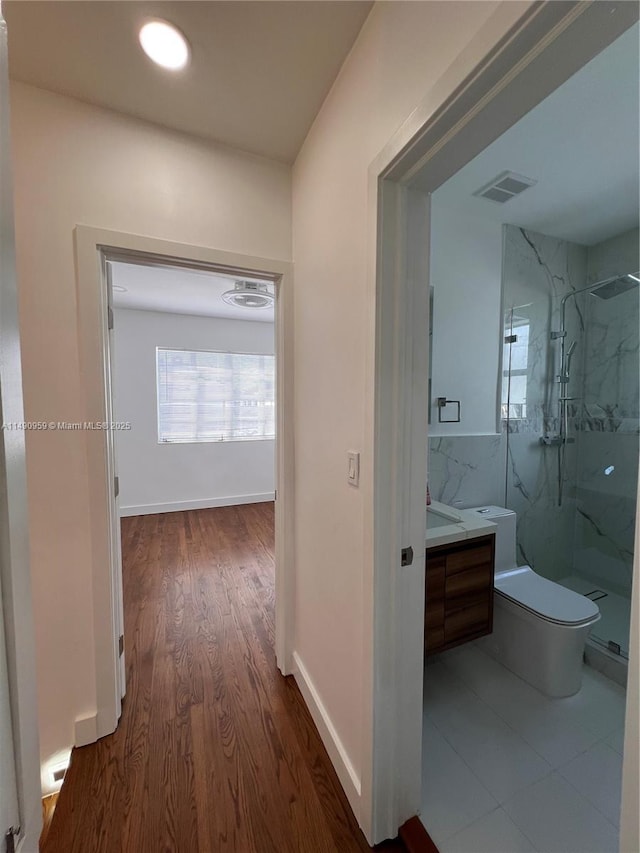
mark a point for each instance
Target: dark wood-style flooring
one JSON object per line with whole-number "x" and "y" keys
{"x": 215, "y": 750}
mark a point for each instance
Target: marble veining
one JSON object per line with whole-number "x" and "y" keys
{"x": 592, "y": 533}
{"x": 468, "y": 470}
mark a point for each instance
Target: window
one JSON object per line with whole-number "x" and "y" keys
{"x": 214, "y": 396}
{"x": 514, "y": 369}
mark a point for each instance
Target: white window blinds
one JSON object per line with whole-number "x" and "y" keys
{"x": 215, "y": 396}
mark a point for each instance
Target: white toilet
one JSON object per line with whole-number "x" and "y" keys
{"x": 539, "y": 627}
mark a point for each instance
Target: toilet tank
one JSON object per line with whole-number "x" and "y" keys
{"x": 505, "y": 519}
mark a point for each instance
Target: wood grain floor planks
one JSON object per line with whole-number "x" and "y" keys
{"x": 215, "y": 751}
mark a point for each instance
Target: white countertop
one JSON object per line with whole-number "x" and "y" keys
{"x": 454, "y": 525}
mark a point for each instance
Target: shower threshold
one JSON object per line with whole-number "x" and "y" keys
{"x": 608, "y": 645}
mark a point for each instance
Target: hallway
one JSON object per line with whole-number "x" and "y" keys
{"x": 215, "y": 750}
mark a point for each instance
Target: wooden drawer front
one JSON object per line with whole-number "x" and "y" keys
{"x": 435, "y": 592}
{"x": 433, "y": 638}
{"x": 468, "y": 620}
{"x": 436, "y": 576}
{"x": 469, "y": 584}
{"x": 468, "y": 558}
{"x": 434, "y": 615}
{"x": 458, "y": 593}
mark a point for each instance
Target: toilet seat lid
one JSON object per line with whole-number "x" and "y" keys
{"x": 552, "y": 601}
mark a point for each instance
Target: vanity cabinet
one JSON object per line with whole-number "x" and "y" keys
{"x": 458, "y": 593}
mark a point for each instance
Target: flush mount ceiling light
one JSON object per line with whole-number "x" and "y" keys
{"x": 119, "y": 287}
{"x": 249, "y": 294}
{"x": 164, "y": 44}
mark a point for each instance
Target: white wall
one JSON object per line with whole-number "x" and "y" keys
{"x": 466, "y": 272}
{"x": 166, "y": 477}
{"x": 74, "y": 163}
{"x": 397, "y": 63}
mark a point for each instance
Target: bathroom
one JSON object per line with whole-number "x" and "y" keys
{"x": 534, "y": 409}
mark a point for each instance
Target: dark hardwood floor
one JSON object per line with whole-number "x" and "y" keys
{"x": 215, "y": 750}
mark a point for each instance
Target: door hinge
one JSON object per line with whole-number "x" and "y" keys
{"x": 120, "y": 645}
{"x": 406, "y": 556}
{"x": 116, "y": 485}
{"x": 10, "y": 838}
{"x": 110, "y": 317}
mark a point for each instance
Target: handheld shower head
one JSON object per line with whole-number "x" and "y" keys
{"x": 569, "y": 356}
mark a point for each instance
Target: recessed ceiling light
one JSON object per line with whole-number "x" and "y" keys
{"x": 164, "y": 44}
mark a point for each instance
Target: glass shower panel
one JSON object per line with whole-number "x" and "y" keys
{"x": 545, "y": 532}
{"x": 571, "y": 425}
{"x": 608, "y": 450}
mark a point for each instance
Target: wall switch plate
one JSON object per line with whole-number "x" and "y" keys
{"x": 353, "y": 470}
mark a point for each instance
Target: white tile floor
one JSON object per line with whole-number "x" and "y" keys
{"x": 506, "y": 769}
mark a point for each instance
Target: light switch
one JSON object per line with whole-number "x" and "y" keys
{"x": 353, "y": 472}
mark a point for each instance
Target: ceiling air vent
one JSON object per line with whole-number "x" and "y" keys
{"x": 505, "y": 186}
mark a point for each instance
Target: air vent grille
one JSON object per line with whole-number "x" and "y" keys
{"x": 505, "y": 186}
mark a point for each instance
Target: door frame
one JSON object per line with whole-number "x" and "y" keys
{"x": 18, "y": 622}
{"x": 541, "y": 49}
{"x": 93, "y": 248}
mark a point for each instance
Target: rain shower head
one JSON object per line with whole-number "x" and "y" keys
{"x": 615, "y": 286}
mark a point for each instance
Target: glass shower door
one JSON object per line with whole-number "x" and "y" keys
{"x": 530, "y": 408}
{"x": 570, "y": 415}
{"x": 607, "y": 472}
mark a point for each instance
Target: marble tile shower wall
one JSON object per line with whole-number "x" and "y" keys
{"x": 592, "y": 533}
{"x": 538, "y": 271}
{"x": 608, "y": 434}
{"x": 467, "y": 470}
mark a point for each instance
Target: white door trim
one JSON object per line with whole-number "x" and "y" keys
{"x": 92, "y": 247}
{"x": 17, "y": 619}
{"x": 541, "y": 49}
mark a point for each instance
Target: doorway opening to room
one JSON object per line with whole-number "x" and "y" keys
{"x": 543, "y": 762}
{"x": 193, "y": 369}
{"x": 528, "y": 614}
{"x": 186, "y": 360}
{"x": 193, "y": 380}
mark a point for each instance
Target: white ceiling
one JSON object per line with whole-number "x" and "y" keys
{"x": 581, "y": 146}
{"x": 258, "y": 76}
{"x": 178, "y": 290}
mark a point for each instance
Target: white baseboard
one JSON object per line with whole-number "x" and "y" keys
{"x": 86, "y": 730}
{"x": 347, "y": 775}
{"x": 205, "y": 503}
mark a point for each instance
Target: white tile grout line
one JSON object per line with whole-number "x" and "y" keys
{"x": 486, "y": 704}
{"x": 499, "y": 807}
{"x": 584, "y": 796}
{"x": 497, "y": 712}
{"x": 551, "y": 769}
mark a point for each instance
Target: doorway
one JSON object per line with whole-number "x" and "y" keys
{"x": 98, "y": 254}
{"x": 542, "y": 51}
{"x": 193, "y": 372}
{"x": 192, "y": 375}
